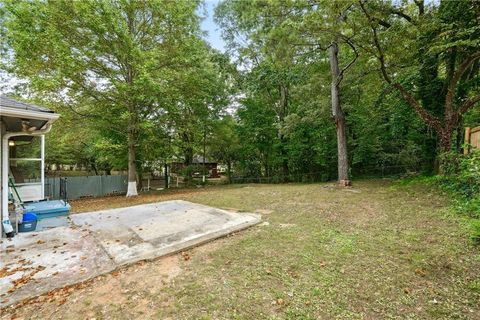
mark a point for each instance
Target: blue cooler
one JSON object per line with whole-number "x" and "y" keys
{"x": 29, "y": 222}
{"x": 48, "y": 209}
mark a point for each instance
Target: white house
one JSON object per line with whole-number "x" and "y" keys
{"x": 21, "y": 121}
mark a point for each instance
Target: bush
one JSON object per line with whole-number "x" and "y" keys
{"x": 460, "y": 176}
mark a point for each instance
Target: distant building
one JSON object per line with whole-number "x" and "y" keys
{"x": 210, "y": 166}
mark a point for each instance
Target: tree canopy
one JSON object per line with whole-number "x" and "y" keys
{"x": 307, "y": 90}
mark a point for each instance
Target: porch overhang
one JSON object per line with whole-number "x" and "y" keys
{"x": 19, "y": 121}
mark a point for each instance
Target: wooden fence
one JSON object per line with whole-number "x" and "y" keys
{"x": 472, "y": 139}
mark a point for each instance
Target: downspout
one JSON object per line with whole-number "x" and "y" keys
{"x": 5, "y": 166}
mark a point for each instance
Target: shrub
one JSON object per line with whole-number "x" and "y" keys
{"x": 460, "y": 176}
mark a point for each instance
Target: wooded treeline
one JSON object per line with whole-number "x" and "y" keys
{"x": 320, "y": 90}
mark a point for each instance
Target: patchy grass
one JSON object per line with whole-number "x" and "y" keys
{"x": 94, "y": 204}
{"x": 381, "y": 250}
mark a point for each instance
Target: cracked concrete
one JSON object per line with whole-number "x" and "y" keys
{"x": 99, "y": 242}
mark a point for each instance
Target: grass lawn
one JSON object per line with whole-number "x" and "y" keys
{"x": 381, "y": 250}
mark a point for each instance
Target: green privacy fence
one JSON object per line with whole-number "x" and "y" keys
{"x": 83, "y": 187}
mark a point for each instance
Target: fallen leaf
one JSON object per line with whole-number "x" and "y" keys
{"x": 293, "y": 274}
{"x": 421, "y": 272}
{"x": 185, "y": 256}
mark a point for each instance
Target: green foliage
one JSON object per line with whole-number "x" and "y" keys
{"x": 127, "y": 77}
{"x": 257, "y": 132}
{"x": 461, "y": 174}
{"x": 461, "y": 178}
{"x": 117, "y": 76}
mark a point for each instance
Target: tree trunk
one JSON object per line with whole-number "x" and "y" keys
{"x": 445, "y": 139}
{"x": 283, "y": 152}
{"x": 188, "y": 154}
{"x": 282, "y": 114}
{"x": 229, "y": 171}
{"x": 339, "y": 117}
{"x": 459, "y": 137}
{"x": 445, "y": 145}
{"x": 166, "y": 175}
{"x": 132, "y": 168}
{"x": 94, "y": 167}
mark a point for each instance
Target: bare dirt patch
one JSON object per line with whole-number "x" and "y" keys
{"x": 127, "y": 286}
{"x": 264, "y": 211}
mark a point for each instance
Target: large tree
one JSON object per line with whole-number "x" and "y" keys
{"x": 115, "y": 59}
{"x": 430, "y": 54}
{"x": 280, "y": 40}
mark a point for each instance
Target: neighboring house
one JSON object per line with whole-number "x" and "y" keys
{"x": 210, "y": 166}
{"x": 19, "y": 123}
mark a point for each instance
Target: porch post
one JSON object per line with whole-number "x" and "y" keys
{"x": 4, "y": 206}
{"x": 42, "y": 165}
{"x": 2, "y": 131}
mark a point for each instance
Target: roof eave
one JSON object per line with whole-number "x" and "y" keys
{"x": 29, "y": 114}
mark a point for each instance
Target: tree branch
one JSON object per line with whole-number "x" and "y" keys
{"x": 351, "y": 62}
{"x": 429, "y": 119}
{"x": 401, "y": 14}
{"x": 455, "y": 78}
{"x": 421, "y": 6}
{"x": 380, "y": 56}
{"x": 469, "y": 104}
{"x": 383, "y": 23}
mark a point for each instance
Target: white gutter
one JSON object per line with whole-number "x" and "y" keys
{"x": 5, "y": 163}
{"x": 27, "y": 114}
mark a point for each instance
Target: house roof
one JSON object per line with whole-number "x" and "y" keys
{"x": 196, "y": 160}
{"x": 199, "y": 159}
{"x": 16, "y": 115}
{"x": 14, "y": 104}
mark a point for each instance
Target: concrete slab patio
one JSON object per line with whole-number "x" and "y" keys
{"x": 99, "y": 242}
{"x": 152, "y": 230}
{"x": 35, "y": 263}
